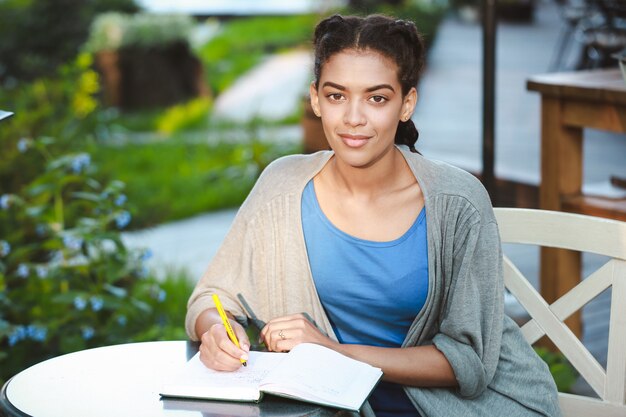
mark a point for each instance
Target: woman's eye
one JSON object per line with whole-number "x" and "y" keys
{"x": 335, "y": 96}
{"x": 378, "y": 99}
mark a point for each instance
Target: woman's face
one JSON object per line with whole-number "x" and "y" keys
{"x": 359, "y": 99}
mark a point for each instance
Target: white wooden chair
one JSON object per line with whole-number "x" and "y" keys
{"x": 584, "y": 234}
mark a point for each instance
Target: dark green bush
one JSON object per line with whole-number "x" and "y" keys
{"x": 37, "y": 36}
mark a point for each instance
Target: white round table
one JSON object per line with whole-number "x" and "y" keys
{"x": 124, "y": 380}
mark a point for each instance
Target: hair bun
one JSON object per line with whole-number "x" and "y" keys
{"x": 407, "y": 134}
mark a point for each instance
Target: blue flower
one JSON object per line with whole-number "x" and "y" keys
{"x": 161, "y": 296}
{"x": 146, "y": 255}
{"x": 5, "y": 200}
{"x": 120, "y": 200}
{"x": 42, "y": 271}
{"x": 121, "y": 320}
{"x": 80, "y": 303}
{"x": 23, "y": 144}
{"x": 18, "y": 334}
{"x": 72, "y": 242}
{"x": 56, "y": 256}
{"x": 41, "y": 229}
{"x": 5, "y": 248}
{"x": 13, "y": 339}
{"x": 80, "y": 162}
{"x": 88, "y": 332}
{"x": 122, "y": 219}
{"x": 36, "y": 333}
{"x": 40, "y": 334}
{"x": 22, "y": 271}
{"x": 96, "y": 303}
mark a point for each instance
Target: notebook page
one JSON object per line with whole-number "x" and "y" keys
{"x": 195, "y": 380}
{"x": 321, "y": 375}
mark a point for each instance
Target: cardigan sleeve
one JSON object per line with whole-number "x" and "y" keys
{"x": 225, "y": 275}
{"x": 470, "y": 328}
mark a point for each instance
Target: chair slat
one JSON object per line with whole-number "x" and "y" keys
{"x": 580, "y": 406}
{"x": 585, "y": 234}
{"x": 559, "y": 333}
{"x": 616, "y": 356}
{"x": 569, "y": 303}
{"x": 563, "y": 230}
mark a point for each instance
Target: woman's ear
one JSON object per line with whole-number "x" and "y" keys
{"x": 408, "y": 105}
{"x": 315, "y": 100}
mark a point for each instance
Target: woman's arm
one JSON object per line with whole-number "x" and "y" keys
{"x": 217, "y": 351}
{"x": 420, "y": 366}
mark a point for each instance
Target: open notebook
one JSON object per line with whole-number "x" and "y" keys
{"x": 309, "y": 372}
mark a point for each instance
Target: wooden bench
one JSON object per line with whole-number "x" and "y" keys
{"x": 585, "y": 234}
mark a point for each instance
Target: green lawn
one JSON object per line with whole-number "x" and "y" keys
{"x": 172, "y": 179}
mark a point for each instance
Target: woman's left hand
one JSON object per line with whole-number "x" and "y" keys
{"x": 283, "y": 333}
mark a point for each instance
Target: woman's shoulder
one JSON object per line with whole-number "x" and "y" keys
{"x": 292, "y": 170}
{"x": 441, "y": 180}
{"x": 285, "y": 176}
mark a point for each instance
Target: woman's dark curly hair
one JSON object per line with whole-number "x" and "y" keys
{"x": 397, "y": 40}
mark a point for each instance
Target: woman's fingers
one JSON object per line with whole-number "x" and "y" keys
{"x": 283, "y": 333}
{"x": 218, "y": 352}
{"x": 242, "y": 337}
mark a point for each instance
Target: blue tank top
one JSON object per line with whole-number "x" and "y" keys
{"x": 371, "y": 291}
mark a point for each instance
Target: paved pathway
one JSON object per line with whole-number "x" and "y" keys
{"x": 272, "y": 91}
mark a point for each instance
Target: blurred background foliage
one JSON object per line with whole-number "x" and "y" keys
{"x": 38, "y": 36}
{"x": 76, "y": 171}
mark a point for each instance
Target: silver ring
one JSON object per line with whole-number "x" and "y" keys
{"x": 282, "y": 335}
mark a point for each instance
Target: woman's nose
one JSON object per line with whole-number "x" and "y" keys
{"x": 353, "y": 115}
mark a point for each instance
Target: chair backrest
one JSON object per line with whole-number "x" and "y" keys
{"x": 585, "y": 234}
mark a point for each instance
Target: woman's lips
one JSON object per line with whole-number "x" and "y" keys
{"x": 354, "y": 141}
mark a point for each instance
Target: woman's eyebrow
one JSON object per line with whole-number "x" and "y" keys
{"x": 331, "y": 84}
{"x": 368, "y": 89}
{"x": 380, "y": 87}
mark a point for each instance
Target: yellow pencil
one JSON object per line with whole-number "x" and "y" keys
{"x": 226, "y": 322}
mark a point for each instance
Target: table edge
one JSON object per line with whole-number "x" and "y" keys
{"x": 6, "y": 407}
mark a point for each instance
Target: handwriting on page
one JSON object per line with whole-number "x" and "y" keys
{"x": 258, "y": 367}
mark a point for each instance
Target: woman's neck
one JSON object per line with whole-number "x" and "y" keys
{"x": 384, "y": 175}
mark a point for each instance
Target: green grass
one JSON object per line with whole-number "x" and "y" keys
{"x": 172, "y": 180}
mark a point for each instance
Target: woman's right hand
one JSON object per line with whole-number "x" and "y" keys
{"x": 218, "y": 352}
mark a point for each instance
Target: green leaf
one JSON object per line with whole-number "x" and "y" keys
{"x": 116, "y": 291}
{"x": 141, "y": 305}
{"x": 87, "y": 196}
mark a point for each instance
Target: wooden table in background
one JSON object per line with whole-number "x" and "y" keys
{"x": 571, "y": 102}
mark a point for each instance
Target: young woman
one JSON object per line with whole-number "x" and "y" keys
{"x": 396, "y": 258}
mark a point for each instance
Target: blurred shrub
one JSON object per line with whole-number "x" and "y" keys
{"x": 62, "y": 105}
{"x": 145, "y": 60}
{"x": 112, "y": 31}
{"x": 67, "y": 281}
{"x": 37, "y": 36}
{"x": 427, "y": 14}
{"x": 188, "y": 116}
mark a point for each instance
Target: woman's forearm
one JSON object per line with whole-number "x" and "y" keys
{"x": 420, "y": 366}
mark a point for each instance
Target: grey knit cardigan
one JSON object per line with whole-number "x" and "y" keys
{"x": 264, "y": 258}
